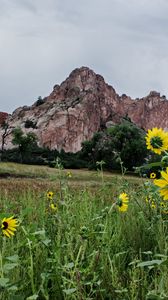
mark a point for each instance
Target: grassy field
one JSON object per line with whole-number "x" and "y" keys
{"x": 82, "y": 247}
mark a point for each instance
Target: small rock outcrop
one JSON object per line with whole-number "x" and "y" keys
{"x": 82, "y": 105}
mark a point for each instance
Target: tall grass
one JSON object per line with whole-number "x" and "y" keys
{"x": 87, "y": 249}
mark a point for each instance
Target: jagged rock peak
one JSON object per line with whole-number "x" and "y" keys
{"x": 81, "y": 82}
{"x": 85, "y": 79}
{"x": 154, "y": 94}
{"x": 81, "y": 105}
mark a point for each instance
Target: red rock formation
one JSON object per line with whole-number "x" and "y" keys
{"x": 3, "y": 117}
{"x": 82, "y": 105}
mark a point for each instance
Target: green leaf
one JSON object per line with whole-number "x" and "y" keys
{"x": 8, "y": 267}
{"x": 69, "y": 265}
{"x": 121, "y": 291}
{"x": 39, "y": 232}
{"x": 161, "y": 256}
{"x": 69, "y": 291}
{"x": 12, "y": 288}
{"x": 153, "y": 295}
{"x": 33, "y": 297}
{"x": 14, "y": 258}
{"x": 154, "y": 164}
{"x": 46, "y": 242}
{"x": 4, "y": 282}
{"x": 120, "y": 253}
{"x": 147, "y": 252}
{"x": 134, "y": 262}
{"x": 150, "y": 263}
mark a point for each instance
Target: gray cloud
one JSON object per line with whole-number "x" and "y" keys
{"x": 41, "y": 42}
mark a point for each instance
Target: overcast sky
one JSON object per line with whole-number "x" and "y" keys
{"x": 42, "y": 41}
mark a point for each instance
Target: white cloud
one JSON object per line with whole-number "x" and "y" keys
{"x": 41, "y": 42}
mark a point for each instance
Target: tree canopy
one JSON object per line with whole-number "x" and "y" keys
{"x": 124, "y": 143}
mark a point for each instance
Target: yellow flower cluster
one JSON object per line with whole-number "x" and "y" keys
{"x": 157, "y": 141}
{"x": 151, "y": 202}
{"x": 50, "y": 197}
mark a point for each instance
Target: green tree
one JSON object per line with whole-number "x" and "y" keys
{"x": 25, "y": 142}
{"x": 128, "y": 142}
{"x": 123, "y": 143}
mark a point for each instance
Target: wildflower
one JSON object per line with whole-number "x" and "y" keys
{"x": 69, "y": 174}
{"x": 9, "y": 226}
{"x": 152, "y": 175}
{"x": 122, "y": 202}
{"x": 150, "y": 200}
{"x": 164, "y": 207}
{"x": 153, "y": 205}
{"x": 53, "y": 207}
{"x": 157, "y": 140}
{"x": 50, "y": 195}
{"x": 163, "y": 184}
{"x": 162, "y": 204}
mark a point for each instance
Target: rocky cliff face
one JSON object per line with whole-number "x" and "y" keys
{"x": 82, "y": 105}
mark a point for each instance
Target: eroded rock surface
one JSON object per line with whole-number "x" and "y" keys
{"x": 82, "y": 105}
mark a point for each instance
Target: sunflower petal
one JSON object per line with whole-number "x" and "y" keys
{"x": 160, "y": 182}
{"x": 164, "y": 175}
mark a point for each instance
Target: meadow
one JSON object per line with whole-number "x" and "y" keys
{"x": 73, "y": 240}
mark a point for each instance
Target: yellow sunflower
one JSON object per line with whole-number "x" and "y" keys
{"x": 50, "y": 195}
{"x": 123, "y": 202}
{"x": 164, "y": 207}
{"x": 53, "y": 207}
{"x": 152, "y": 175}
{"x": 9, "y": 226}
{"x": 69, "y": 174}
{"x": 157, "y": 140}
{"x": 162, "y": 183}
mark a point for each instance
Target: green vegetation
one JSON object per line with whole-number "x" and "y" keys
{"x": 79, "y": 234}
{"x": 122, "y": 145}
{"x": 87, "y": 248}
{"x": 25, "y": 142}
{"x": 39, "y": 101}
{"x": 30, "y": 124}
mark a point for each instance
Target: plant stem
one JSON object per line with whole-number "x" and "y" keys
{"x": 31, "y": 260}
{"x": 1, "y": 265}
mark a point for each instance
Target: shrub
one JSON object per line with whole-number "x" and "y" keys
{"x": 39, "y": 101}
{"x": 30, "y": 124}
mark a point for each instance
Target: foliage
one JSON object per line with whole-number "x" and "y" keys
{"x": 87, "y": 248}
{"x": 39, "y": 101}
{"x": 25, "y": 142}
{"x": 129, "y": 144}
{"x": 105, "y": 242}
{"x": 30, "y": 124}
{"x": 120, "y": 147}
{"x": 43, "y": 156}
{"x": 123, "y": 143}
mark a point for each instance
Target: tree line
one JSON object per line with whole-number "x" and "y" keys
{"x": 122, "y": 145}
